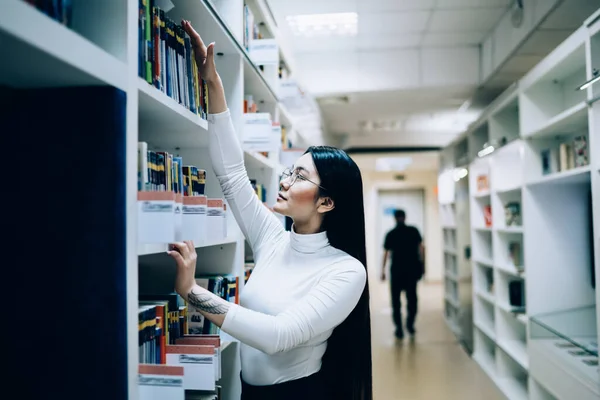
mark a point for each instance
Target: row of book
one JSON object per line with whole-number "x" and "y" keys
{"x": 567, "y": 155}
{"x": 248, "y": 268}
{"x": 58, "y": 10}
{"x": 162, "y": 319}
{"x": 166, "y": 59}
{"x": 162, "y": 171}
{"x": 165, "y": 319}
{"x": 251, "y": 30}
{"x": 259, "y": 189}
{"x": 224, "y": 286}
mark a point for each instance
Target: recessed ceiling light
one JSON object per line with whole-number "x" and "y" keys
{"x": 333, "y": 24}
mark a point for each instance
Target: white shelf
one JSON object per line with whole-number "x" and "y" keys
{"x": 484, "y": 261}
{"x": 482, "y": 194}
{"x": 537, "y": 113}
{"x": 226, "y": 345}
{"x": 522, "y": 318}
{"x": 285, "y": 118}
{"x": 510, "y": 190}
{"x": 450, "y": 251}
{"x": 452, "y": 326}
{"x": 571, "y": 120}
{"x": 159, "y": 248}
{"x": 453, "y": 227}
{"x": 510, "y": 229}
{"x": 165, "y": 123}
{"x": 511, "y": 270}
{"x": 262, "y": 14}
{"x": 572, "y": 176}
{"x": 452, "y": 277}
{"x": 44, "y": 53}
{"x": 256, "y": 160}
{"x": 506, "y": 307}
{"x": 517, "y": 350}
{"x": 512, "y": 388}
{"x": 486, "y": 365}
{"x": 565, "y": 376}
{"x": 255, "y": 83}
{"x": 488, "y": 331}
{"x": 490, "y": 298}
{"x": 452, "y": 301}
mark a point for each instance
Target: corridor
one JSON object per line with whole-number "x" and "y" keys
{"x": 434, "y": 366}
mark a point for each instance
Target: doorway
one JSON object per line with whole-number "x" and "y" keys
{"x": 412, "y": 201}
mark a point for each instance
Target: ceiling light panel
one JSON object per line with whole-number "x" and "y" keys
{"x": 319, "y": 25}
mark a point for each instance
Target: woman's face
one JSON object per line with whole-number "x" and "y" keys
{"x": 300, "y": 200}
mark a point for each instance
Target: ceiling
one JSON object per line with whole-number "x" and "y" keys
{"x": 415, "y": 161}
{"x": 401, "y": 81}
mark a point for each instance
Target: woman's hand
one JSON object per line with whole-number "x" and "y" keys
{"x": 205, "y": 56}
{"x": 185, "y": 256}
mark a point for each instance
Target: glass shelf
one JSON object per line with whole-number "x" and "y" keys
{"x": 576, "y": 327}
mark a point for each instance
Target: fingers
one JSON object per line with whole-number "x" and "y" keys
{"x": 178, "y": 258}
{"x": 194, "y": 36}
{"x": 210, "y": 54}
{"x": 190, "y": 246}
{"x": 182, "y": 248}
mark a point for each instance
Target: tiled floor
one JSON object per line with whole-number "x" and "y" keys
{"x": 433, "y": 366}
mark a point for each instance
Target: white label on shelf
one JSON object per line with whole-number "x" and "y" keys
{"x": 156, "y": 222}
{"x": 264, "y": 51}
{"x": 194, "y": 223}
{"x": 160, "y": 387}
{"x": 178, "y": 221}
{"x": 257, "y": 131}
{"x": 199, "y": 370}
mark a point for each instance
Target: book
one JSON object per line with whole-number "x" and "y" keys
{"x": 580, "y": 152}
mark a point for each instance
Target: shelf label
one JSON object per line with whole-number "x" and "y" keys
{"x": 257, "y": 131}
{"x": 157, "y": 222}
{"x": 157, "y": 382}
{"x": 264, "y": 51}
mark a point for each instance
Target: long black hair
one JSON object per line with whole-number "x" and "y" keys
{"x": 347, "y": 360}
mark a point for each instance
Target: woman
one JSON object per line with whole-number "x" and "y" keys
{"x": 303, "y": 318}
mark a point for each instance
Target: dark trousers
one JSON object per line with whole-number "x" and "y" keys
{"x": 311, "y": 387}
{"x": 401, "y": 284}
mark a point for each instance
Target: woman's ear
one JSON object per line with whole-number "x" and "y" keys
{"x": 326, "y": 204}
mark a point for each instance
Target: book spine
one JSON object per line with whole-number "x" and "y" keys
{"x": 148, "y": 41}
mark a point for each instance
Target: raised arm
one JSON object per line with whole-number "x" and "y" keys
{"x": 322, "y": 308}
{"x": 258, "y": 224}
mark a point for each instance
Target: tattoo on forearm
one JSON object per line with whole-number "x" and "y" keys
{"x": 207, "y": 303}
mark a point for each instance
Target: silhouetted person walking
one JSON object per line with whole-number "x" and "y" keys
{"x": 407, "y": 268}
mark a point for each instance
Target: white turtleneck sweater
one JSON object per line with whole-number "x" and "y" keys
{"x": 300, "y": 289}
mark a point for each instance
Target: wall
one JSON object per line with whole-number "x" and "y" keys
{"x": 427, "y": 180}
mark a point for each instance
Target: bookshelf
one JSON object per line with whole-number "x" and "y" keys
{"x": 535, "y": 226}
{"x": 99, "y": 48}
{"x": 454, "y": 212}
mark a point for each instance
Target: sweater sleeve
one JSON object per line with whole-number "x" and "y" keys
{"x": 323, "y": 308}
{"x": 256, "y": 221}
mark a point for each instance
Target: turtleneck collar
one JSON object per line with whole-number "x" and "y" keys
{"x": 310, "y": 243}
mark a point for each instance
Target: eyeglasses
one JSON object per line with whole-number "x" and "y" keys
{"x": 295, "y": 175}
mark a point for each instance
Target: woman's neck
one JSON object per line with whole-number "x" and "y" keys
{"x": 308, "y": 227}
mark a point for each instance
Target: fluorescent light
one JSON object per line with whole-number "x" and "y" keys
{"x": 589, "y": 83}
{"x": 487, "y": 150}
{"x": 333, "y": 24}
{"x": 392, "y": 163}
{"x": 460, "y": 173}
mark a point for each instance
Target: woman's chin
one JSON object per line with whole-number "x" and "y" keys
{"x": 279, "y": 209}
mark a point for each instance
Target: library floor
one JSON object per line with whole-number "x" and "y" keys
{"x": 434, "y": 366}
